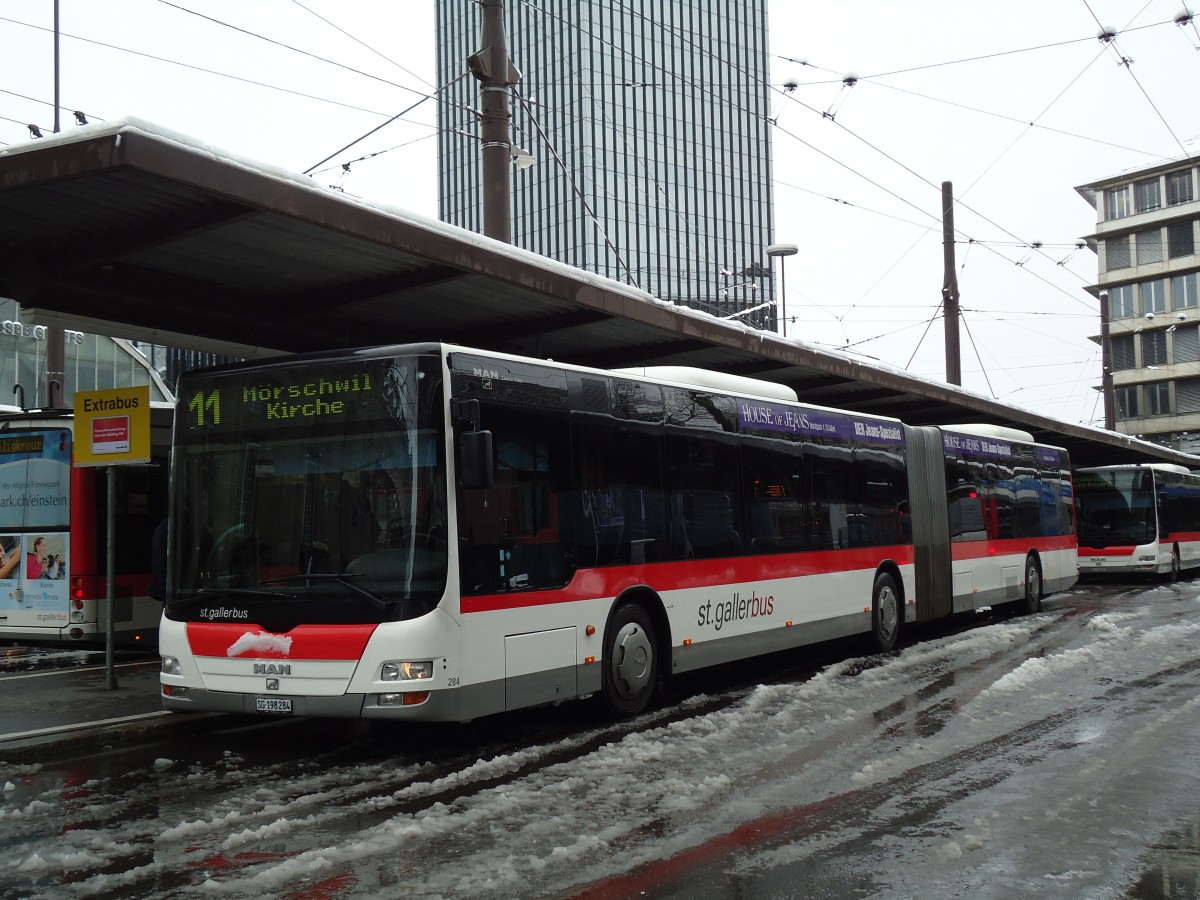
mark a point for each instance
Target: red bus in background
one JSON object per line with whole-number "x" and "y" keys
{"x": 54, "y": 535}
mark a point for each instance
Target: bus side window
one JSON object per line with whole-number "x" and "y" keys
{"x": 781, "y": 518}
{"x": 882, "y": 482}
{"x": 703, "y": 474}
{"x": 963, "y": 501}
{"x": 619, "y": 508}
{"x": 829, "y": 472}
{"x": 511, "y": 534}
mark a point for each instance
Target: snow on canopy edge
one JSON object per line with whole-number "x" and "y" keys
{"x": 144, "y": 128}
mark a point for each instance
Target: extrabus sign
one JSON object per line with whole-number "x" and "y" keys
{"x": 112, "y": 427}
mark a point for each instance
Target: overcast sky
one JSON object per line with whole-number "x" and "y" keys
{"x": 1016, "y": 104}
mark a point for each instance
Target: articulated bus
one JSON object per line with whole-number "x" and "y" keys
{"x": 428, "y": 532}
{"x": 1138, "y": 519}
{"x": 54, "y": 536}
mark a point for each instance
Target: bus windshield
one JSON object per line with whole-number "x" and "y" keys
{"x": 313, "y": 493}
{"x": 1116, "y": 507}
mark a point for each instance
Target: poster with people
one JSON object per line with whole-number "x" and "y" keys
{"x": 45, "y": 572}
{"x": 33, "y": 576}
{"x": 35, "y": 514}
{"x": 10, "y": 560}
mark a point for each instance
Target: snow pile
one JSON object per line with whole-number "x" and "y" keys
{"x": 1016, "y": 758}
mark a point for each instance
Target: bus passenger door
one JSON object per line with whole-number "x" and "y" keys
{"x": 510, "y": 534}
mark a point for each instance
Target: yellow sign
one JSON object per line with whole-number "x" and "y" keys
{"x": 112, "y": 427}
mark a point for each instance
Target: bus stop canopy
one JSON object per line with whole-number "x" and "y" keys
{"x": 126, "y": 229}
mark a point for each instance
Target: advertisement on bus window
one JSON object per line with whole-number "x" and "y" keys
{"x": 35, "y": 514}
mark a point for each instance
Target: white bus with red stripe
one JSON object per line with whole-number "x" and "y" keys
{"x": 1138, "y": 519}
{"x": 427, "y": 532}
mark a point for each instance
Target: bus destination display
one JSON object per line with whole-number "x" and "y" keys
{"x": 224, "y": 402}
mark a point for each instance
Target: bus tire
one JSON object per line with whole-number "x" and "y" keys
{"x": 1032, "y": 601}
{"x": 887, "y": 613}
{"x": 630, "y": 670}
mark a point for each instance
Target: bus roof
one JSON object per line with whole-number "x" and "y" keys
{"x": 1160, "y": 467}
{"x": 1000, "y": 432}
{"x": 690, "y": 376}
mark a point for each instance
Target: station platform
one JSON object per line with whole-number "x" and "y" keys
{"x": 61, "y": 701}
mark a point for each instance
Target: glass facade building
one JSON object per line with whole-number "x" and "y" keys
{"x": 92, "y": 363}
{"x": 649, "y": 124}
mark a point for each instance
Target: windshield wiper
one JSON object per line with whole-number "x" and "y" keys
{"x": 342, "y": 578}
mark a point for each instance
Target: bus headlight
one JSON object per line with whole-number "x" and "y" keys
{"x": 407, "y": 671}
{"x": 170, "y": 666}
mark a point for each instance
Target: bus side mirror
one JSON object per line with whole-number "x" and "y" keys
{"x": 475, "y": 459}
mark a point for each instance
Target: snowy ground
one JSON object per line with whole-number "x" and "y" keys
{"x": 1043, "y": 756}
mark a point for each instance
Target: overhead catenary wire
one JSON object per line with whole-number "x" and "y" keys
{"x": 214, "y": 72}
{"x": 908, "y": 169}
{"x": 261, "y": 37}
{"x": 790, "y": 88}
{"x": 179, "y": 7}
{"x": 365, "y": 45}
{"x": 1109, "y": 39}
{"x": 524, "y": 102}
{"x": 1055, "y": 287}
{"x": 303, "y": 95}
{"x": 963, "y": 60}
{"x": 998, "y": 246}
{"x": 394, "y": 118}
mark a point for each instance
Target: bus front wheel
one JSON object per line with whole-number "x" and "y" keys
{"x": 886, "y": 613}
{"x": 630, "y": 661}
{"x": 1174, "y": 573}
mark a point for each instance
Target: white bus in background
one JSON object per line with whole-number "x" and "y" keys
{"x": 1138, "y": 519}
{"x": 54, "y": 536}
{"x": 429, "y": 532}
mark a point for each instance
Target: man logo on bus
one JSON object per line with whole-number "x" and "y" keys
{"x": 272, "y": 669}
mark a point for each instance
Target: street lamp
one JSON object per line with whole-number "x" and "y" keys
{"x": 782, "y": 250}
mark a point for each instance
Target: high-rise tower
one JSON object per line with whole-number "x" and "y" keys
{"x": 649, "y": 123}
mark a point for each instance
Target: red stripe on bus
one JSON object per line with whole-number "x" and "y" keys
{"x": 302, "y": 642}
{"x": 1175, "y": 537}
{"x": 1010, "y": 547}
{"x": 672, "y": 576}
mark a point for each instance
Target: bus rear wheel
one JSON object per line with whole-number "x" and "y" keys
{"x": 630, "y": 661}
{"x": 886, "y": 612}
{"x": 1032, "y": 601}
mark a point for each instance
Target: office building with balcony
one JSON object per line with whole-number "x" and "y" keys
{"x": 1145, "y": 239}
{"x": 649, "y": 124}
